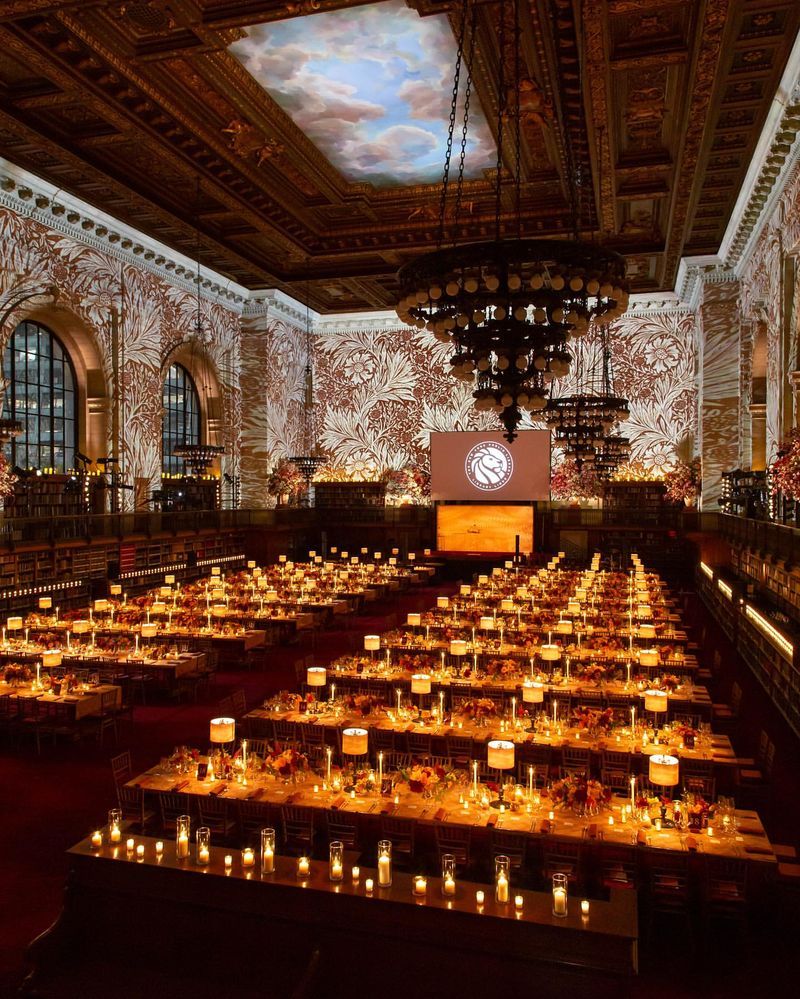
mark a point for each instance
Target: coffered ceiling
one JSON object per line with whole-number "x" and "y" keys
{"x": 311, "y": 129}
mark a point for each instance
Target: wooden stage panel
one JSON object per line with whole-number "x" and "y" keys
{"x": 484, "y": 527}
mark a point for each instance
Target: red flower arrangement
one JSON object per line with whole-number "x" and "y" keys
{"x": 363, "y": 703}
{"x": 584, "y": 796}
{"x": 478, "y": 707}
{"x": 683, "y": 482}
{"x": 569, "y": 482}
{"x": 286, "y": 764}
{"x": 584, "y": 717}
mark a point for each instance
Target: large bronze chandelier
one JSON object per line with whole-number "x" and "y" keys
{"x": 615, "y": 451}
{"x": 509, "y": 306}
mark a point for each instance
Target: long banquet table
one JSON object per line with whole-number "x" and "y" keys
{"x": 82, "y": 703}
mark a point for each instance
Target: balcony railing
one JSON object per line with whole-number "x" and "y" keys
{"x": 762, "y": 535}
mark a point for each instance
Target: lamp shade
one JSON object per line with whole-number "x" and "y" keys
{"x": 51, "y": 657}
{"x": 497, "y": 571}
{"x": 376, "y": 555}
{"x": 354, "y": 741}
{"x": 414, "y": 620}
{"x": 169, "y": 579}
{"x": 115, "y": 589}
{"x": 45, "y": 603}
{"x": 465, "y": 589}
{"x": 412, "y": 556}
{"x": 649, "y": 657}
{"x": 562, "y": 554}
{"x": 507, "y": 604}
{"x": 580, "y": 593}
{"x": 148, "y": 630}
{"x": 316, "y": 676}
{"x": 458, "y": 647}
{"x": 522, "y": 592}
{"x": 78, "y": 627}
{"x": 256, "y": 573}
{"x": 395, "y": 551}
{"x": 483, "y": 580}
{"x": 420, "y": 683}
{"x": 442, "y": 603}
{"x": 663, "y": 770}
{"x": 271, "y": 596}
{"x": 219, "y": 610}
{"x": 281, "y": 558}
{"x": 573, "y": 607}
{"x": 158, "y": 607}
{"x": 564, "y": 627}
{"x": 222, "y": 730}
{"x": 532, "y": 692}
{"x": 426, "y": 552}
{"x": 500, "y": 754}
{"x": 647, "y": 631}
{"x": 218, "y": 593}
{"x": 487, "y": 623}
{"x": 550, "y": 652}
{"x": 215, "y": 570}
{"x": 656, "y": 700}
{"x": 372, "y": 643}
{"x": 100, "y": 605}
{"x": 644, "y": 610}
{"x": 250, "y": 565}
{"x": 164, "y": 591}
{"x": 392, "y": 560}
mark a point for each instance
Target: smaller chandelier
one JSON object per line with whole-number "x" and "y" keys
{"x": 615, "y": 451}
{"x": 198, "y": 456}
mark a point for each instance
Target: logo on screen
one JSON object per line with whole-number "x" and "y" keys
{"x": 489, "y": 466}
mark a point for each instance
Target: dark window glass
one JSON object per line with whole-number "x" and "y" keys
{"x": 40, "y": 392}
{"x": 181, "y": 419}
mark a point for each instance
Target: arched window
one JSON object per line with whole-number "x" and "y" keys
{"x": 181, "y": 421}
{"x": 41, "y": 394}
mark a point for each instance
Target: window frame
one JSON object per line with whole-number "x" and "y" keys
{"x": 189, "y": 422}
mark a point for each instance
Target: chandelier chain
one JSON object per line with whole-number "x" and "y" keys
{"x": 451, "y": 126}
{"x": 502, "y": 104}
{"x": 465, "y": 125}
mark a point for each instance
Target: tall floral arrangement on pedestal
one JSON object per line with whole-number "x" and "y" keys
{"x": 284, "y": 479}
{"x": 683, "y": 481}
{"x": 7, "y": 478}
{"x": 408, "y": 484}
{"x": 570, "y": 482}
{"x": 784, "y": 472}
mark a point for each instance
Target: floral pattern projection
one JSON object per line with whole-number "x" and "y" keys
{"x": 762, "y": 298}
{"x": 381, "y": 391}
{"x": 157, "y": 317}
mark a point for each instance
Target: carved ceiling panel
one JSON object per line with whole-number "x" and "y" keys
{"x": 639, "y": 121}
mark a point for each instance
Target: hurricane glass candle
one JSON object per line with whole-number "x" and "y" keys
{"x": 114, "y": 825}
{"x": 448, "y": 874}
{"x": 385, "y": 863}
{"x": 502, "y": 867}
{"x": 560, "y": 882}
{"x": 336, "y": 860}
{"x": 183, "y": 827}
{"x": 203, "y": 845}
{"x": 267, "y": 851}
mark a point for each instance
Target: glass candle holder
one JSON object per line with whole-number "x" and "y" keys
{"x": 560, "y": 884}
{"x": 303, "y": 867}
{"x": 202, "y": 845}
{"x": 183, "y": 827}
{"x": 268, "y": 851}
{"x": 448, "y": 874}
{"x": 114, "y": 825}
{"x": 502, "y": 870}
{"x": 384, "y": 863}
{"x": 336, "y": 860}
{"x": 248, "y": 857}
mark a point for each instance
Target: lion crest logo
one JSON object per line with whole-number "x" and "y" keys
{"x": 489, "y": 466}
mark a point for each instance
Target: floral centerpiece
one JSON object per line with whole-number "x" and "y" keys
{"x": 408, "y": 484}
{"x": 479, "y": 708}
{"x": 592, "y": 718}
{"x": 594, "y": 673}
{"x": 687, "y": 733}
{"x": 698, "y": 810}
{"x": 683, "y": 482}
{"x": 183, "y": 758}
{"x": 364, "y": 704}
{"x": 17, "y": 673}
{"x": 503, "y": 667}
{"x": 427, "y": 780}
{"x": 784, "y": 472}
{"x": 285, "y": 765}
{"x": 584, "y": 796}
{"x": 360, "y": 781}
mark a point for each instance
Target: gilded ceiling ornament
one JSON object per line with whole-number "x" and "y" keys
{"x": 246, "y": 140}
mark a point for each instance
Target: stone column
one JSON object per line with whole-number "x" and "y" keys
{"x": 758, "y": 436}
{"x": 718, "y": 382}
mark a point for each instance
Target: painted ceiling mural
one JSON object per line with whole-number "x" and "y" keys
{"x": 157, "y": 318}
{"x": 371, "y": 87}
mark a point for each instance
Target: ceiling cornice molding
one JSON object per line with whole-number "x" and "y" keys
{"x": 29, "y": 195}
{"x": 275, "y": 304}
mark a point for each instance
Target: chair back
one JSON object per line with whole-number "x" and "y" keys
{"x": 455, "y": 840}
{"x": 402, "y": 833}
{"x": 298, "y": 827}
{"x": 122, "y": 767}
{"x": 343, "y": 827}
{"x": 171, "y": 806}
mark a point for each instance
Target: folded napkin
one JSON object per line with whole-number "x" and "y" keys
{"x": 389, "y": 808}
{"x": 641, "y": 838}
{"x": 409, "y": 728}
{"x": 256, "y": 794}
{"x": 492, "y": 820}
{"x": 544, "y": 828}
{"x": 746, "y": 830}
{"x": 181, "y": 784}
{"x": 217, "y": 790}
{"x": 761, "y": 851}
{"x": 290, "y": 798}
{"x": 439, "y": 814}
{"x": 691, "y": 843}
{"x": 591, "y": 830}
{"x": 337, "y": 802}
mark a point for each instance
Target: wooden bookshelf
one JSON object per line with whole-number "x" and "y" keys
{"x": 349, "y": 494}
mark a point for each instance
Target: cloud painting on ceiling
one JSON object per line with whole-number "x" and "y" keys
{"x": 371, "y": 87}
